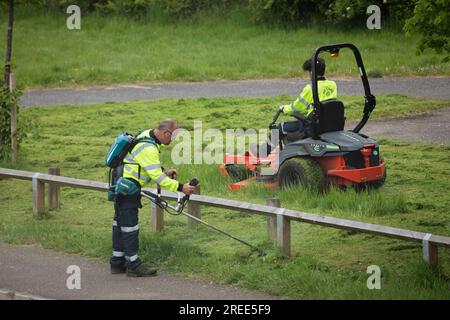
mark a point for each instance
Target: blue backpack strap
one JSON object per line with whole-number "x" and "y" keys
{"x": 148, "y": 140}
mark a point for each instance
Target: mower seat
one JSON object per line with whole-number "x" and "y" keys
{"x": 331, "y": 116}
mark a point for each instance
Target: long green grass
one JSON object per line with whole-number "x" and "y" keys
{"x": 111, "y": 49}
{"x": 325, "y": 263}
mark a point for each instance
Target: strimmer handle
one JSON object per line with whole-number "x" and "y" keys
{"x": 182, "y": 202}
{"x": 192, "y": 182}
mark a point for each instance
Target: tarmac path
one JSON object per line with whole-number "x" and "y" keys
{"x": 30, "y": 272}
{"x": 429, "y": 128}
{"x": 429, "y": 87}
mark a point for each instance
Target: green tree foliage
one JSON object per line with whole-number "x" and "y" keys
{"x": 6, "y": 100}
{"x": 142, "y": 8}
{"x": 351, "y": 12}
{"x": 347, "y": 13}
{"x": 285, "y": 12}
{"x": 26, "y": 125}
{"x": 85, "y": 5}
{"x": 432, "y": 20}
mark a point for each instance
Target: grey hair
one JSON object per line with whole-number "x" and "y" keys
{"x": 167, "y": 124}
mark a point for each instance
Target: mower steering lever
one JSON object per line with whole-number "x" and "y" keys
{"x": 275, "y": 118}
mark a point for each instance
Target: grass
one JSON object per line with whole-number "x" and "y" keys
{"x": 326, "y": 263}
{"x": 113, "y": 49}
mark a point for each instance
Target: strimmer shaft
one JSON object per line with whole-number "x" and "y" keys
{"x": 207, "y": 224}
{"x": 219, "y": 230}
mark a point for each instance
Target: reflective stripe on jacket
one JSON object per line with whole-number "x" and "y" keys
{"x": 143, "y": 164}
{"x": 327, "y": 89}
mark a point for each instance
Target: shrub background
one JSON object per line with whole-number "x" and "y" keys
{"x": 288, "y": 13}
{"x": 430, "y": 18}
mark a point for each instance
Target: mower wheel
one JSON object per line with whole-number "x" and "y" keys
{"x": 302, "y": 171}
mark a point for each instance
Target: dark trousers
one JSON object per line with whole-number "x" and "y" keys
{"x": 290, "y": 127}
{"x": 125, "y": 232}
{"x": 293, "y": 130}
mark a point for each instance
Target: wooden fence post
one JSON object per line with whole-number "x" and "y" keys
{"x": 430, "y": 252}
{"x": 38, "y": 195}
{"x": 53, "y": 190}
{"x": 272, "y": 219}
{"x": 194, "y": 209}
{"x": 14, "y": 148}
{"x": 157, "y": 218}
{"x": 430, "y": 242}
{"x": 284, "y": 234}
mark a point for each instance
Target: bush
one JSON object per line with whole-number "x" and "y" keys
{"x": 431, "y": 19}
{"x": 25, "y": 124}
{"x": 85, "y": 5}
{"x": 285, "y": 13}
{"x": 337, "y": 12}
{"x": 353, "y": 13}
{"x": 141, "y": 8}
{"x": 130, "y": 8}
{"x": 6, "y": 99}
{"x": 187, "y": 8}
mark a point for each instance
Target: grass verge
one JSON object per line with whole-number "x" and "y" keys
{"x": 326, "y": 263}
{"x": 111, "y": 49}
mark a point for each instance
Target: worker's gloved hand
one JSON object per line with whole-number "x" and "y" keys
{"x": 281, "y": 108}
{"x": 172, "y": 174}
{"x": 188, "y": 189}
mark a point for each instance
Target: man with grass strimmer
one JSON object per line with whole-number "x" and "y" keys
{"x": 141, "y": 166}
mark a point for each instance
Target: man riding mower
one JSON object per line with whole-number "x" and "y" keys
{"x": 301, "y": 107}
{"x": 315, "y": 151}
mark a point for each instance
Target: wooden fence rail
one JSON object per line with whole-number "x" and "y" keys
{"x": 278, "y": 223}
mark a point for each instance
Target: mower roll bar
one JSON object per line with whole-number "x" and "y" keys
{"x": 370, "y": 101}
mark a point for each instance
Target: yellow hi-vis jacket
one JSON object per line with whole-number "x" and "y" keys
{"x": 327, "y": 89}
{"x": 143, "y": 164}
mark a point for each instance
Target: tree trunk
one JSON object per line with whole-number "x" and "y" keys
{"x": 9, "y": 42}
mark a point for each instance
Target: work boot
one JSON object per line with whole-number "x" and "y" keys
{"x": 118, "y": 270}
{"x": 142, "y": 271}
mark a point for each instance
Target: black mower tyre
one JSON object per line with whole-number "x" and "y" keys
{"x": 304, "y": 172}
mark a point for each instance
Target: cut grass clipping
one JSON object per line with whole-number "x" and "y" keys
{"x": 325, "y": 263}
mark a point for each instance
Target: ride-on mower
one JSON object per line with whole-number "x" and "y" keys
{"x": 325, "y": 155}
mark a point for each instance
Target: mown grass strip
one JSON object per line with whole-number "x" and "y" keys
{"x": 111, "y": 49}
